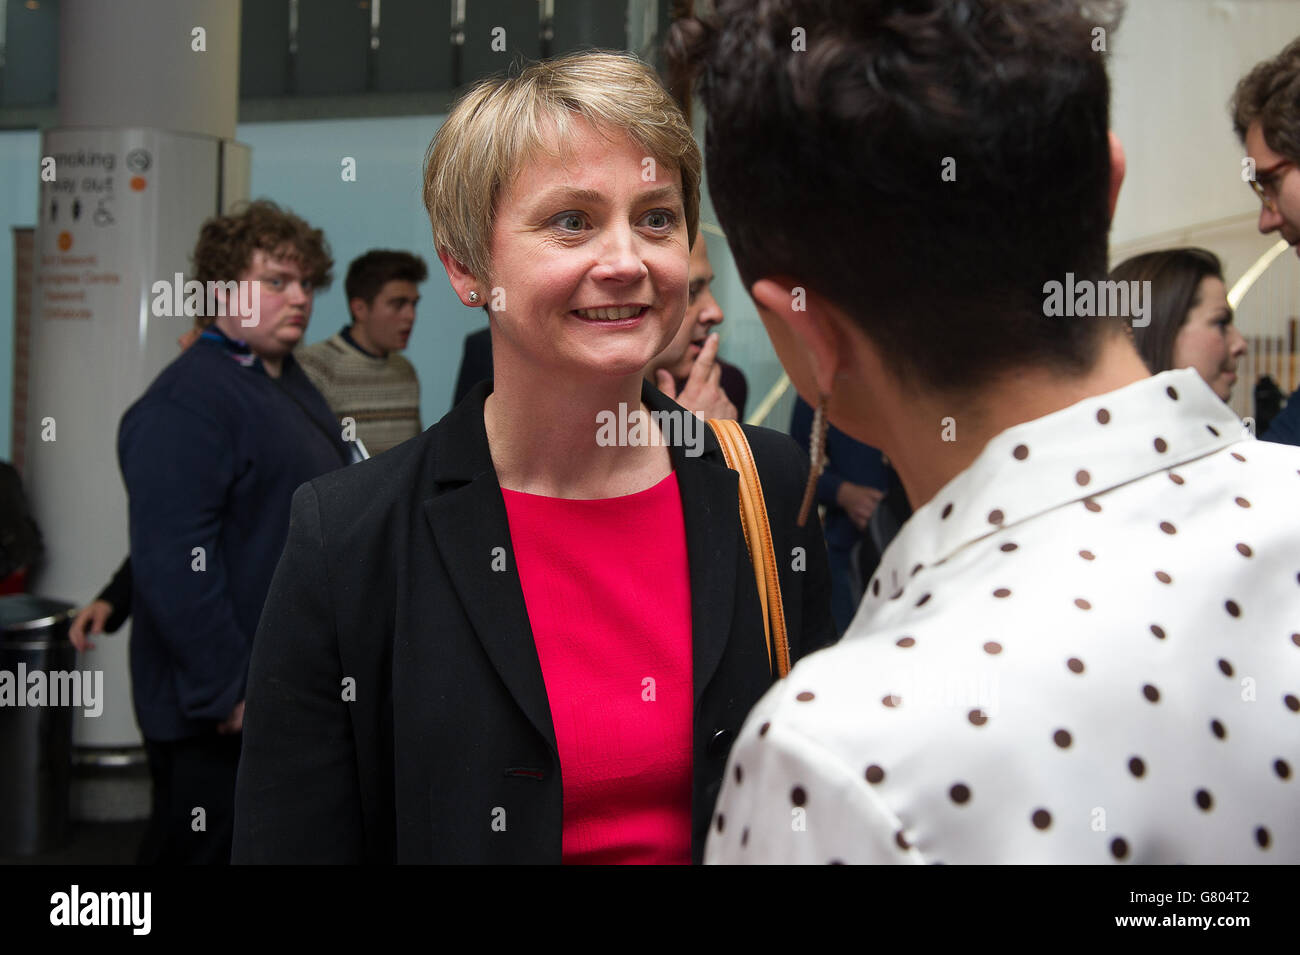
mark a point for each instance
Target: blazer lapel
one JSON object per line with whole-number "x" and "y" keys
{"x": 711, "y": 511}
{"x": 468, "y": 520}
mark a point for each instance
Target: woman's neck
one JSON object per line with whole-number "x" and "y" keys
{"x": 543, "y": 435}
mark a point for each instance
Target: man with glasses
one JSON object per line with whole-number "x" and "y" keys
{"x": 211, "y": 455}
{"x": 1266, "y": 117}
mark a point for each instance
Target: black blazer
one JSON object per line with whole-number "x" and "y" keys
{"x": 395, "y": 700}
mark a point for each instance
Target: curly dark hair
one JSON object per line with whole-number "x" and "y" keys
{"x": 369, "y": 273}
{"x": 1270, "y": 94}
{"x": 830, "y": 125}
{"x": 226, "y": 243}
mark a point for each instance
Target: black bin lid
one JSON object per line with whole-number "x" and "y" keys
{"x": 22, "y": 614}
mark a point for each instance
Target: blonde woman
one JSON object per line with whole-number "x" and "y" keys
{"x": 511, "y": 639}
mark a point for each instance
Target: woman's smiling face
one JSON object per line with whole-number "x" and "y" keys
{"x": 589, "y": 257}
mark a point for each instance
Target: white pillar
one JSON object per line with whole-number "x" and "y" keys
{"x": 148, "y": 91}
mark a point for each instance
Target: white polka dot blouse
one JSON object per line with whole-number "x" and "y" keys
{"x": 1084, "y": 649}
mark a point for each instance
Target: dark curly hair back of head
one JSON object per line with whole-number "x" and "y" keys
{"x": 826, "y": 162}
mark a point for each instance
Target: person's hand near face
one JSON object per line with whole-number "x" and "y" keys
{"x": 1208, "y": 341}
{"x": 859, "y": 502}
{"x": 702, "y": 392}
{"x": 689, "y": 356}
{"x": 702, "y": 314}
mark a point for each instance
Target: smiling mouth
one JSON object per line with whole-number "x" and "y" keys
{"x": 611, "y": 313}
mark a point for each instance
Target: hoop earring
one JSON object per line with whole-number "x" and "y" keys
{"x": 473, "y": 297}
{"x": 817, "y": 456}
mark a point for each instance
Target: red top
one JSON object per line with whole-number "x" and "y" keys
{"x": 607, "y": 587}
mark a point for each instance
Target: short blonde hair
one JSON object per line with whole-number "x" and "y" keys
{"x": 503, "y": 121}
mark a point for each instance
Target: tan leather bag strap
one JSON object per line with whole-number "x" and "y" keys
{"x": 758, "y": 540}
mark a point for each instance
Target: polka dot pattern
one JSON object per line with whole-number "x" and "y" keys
{"x": 1090, "y": 635}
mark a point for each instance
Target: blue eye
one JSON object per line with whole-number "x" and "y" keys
{"x": 665, "y": 219}
{"x": 569, "y": 221}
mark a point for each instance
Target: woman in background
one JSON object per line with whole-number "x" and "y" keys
{"x": 1191, "y": 320}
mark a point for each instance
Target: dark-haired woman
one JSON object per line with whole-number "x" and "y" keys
{"x": 1191, "y": 320}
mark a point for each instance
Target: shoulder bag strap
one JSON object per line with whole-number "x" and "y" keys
{"x": 758, "y": 540}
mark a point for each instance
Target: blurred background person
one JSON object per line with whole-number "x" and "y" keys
{"x": 21, "y": 545}
{"x": 1190, "y": 319}
{"x": 360, "y": 370}
{"x": 720, "y": 391}
{"x": 211, "y": 455}
{"x": 107, "y": 612}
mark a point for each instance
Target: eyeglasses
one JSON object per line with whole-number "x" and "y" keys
{"x": 1265, "y": 182}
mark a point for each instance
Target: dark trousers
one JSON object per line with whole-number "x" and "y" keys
{"x": 188, "y": 775}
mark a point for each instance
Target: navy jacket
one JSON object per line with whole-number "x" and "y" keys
{"x": 1285, "y": 428}
{"x": 211, "y": 455}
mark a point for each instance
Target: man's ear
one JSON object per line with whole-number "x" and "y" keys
{"x": 1118, "y": 166}
{"x": 807, "y": 339}
{"x": 358, "y": 309}
{"x": 461, "y": 279}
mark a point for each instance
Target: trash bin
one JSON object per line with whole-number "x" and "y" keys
{"x": 35, "y": 740}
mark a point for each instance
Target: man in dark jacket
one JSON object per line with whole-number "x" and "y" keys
{"x": 211, "y": 455}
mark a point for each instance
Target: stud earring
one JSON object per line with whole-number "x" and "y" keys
{"x": 817, "y": 456}
{"x": 473, "y": 296}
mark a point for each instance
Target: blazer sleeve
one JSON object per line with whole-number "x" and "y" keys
{"x": 297, "y": 799}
